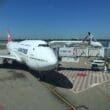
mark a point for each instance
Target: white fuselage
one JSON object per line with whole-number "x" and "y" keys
{"x": 36, "y": 54}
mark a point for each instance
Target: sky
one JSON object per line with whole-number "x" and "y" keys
{"x": 55, "y": 18}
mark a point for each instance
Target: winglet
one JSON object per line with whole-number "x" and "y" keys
{"x": 9, "y": 37}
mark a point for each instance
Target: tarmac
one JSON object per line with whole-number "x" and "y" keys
{"x": 83, "y": 80}
{"x": 19, "y": 90}
{"x": 65, "y": 89}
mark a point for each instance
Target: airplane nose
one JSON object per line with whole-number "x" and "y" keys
{"x": 53, "y": 62}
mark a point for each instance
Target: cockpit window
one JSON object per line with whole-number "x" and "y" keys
{"x": 43, "y": 45}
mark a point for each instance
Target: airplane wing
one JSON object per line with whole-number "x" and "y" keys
{"x": 8, "y": 57}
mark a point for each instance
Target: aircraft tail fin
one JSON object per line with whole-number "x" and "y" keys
{"x": 9, "y": 37}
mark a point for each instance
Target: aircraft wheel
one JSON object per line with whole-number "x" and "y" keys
{"x": 5, "y": 61}
{"x": 42, "y": 76}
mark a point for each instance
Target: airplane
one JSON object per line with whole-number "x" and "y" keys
{"x": 87, "y": 41}
{"x": 36, "y": 54}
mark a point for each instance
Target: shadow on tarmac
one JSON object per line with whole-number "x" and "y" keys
{"x": 75, "y": 69}
{"x": 14, "y": 66}
{"x": 55, "y": 78}
{"x": 52, "y": 77}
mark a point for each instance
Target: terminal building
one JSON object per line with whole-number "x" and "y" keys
{"x": 106, "y": 44}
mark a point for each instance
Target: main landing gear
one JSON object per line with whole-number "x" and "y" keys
{"x": 42, "y": 75}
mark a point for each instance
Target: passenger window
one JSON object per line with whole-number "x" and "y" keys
{"x": 43, "y": 45}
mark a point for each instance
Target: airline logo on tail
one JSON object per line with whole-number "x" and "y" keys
{"x": 9, "y": 37}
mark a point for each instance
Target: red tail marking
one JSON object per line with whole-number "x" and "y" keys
{"x": 9, "y": 37}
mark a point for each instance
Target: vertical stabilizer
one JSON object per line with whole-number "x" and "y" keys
{"x": 9, "y": 37}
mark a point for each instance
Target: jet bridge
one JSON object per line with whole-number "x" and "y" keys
{"x": 72, "y": 54}
{"x": 81, "y": 52}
